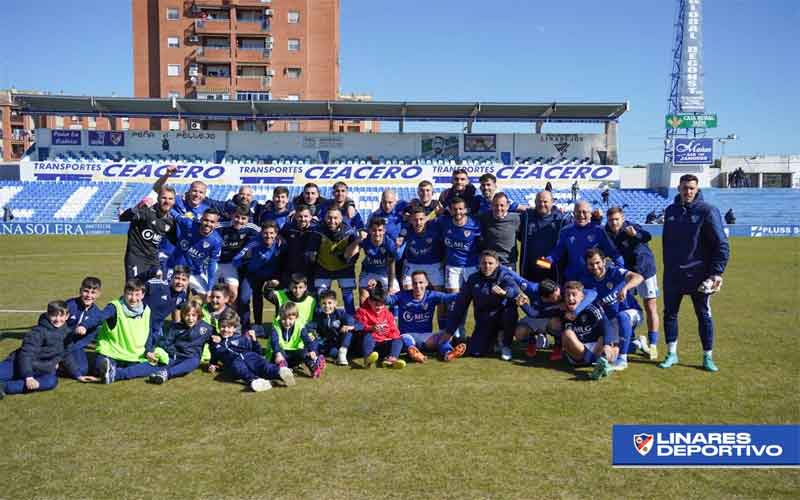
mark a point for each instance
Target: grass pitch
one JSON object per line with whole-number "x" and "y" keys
{"x": 475, "y": 428}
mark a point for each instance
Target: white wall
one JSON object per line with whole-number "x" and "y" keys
{"x": 633, "y": 178}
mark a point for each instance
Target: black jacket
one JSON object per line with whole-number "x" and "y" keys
{"x": 42, "y": 349}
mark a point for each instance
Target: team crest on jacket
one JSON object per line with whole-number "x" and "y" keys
{"x": 590, "y": 238}
{"x": 429, "y": 240}
{"x": 695, "y": 218}
{"x": 643, "y": 443}
{"x": 609, "y": 285}
{"x": 205, "y": 244}
{"x": 467, "y": 233}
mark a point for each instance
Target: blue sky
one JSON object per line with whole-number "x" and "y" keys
{"x": 467, "y": 50}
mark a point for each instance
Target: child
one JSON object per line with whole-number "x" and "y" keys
{"x": 242, "y": 358}
{"x": 164, "y": 298}
{"x": 181, "y": 345}
{"x": 334, "y": 328}
{"x": 124, "y": 338}
{"x": 293, "y": 344}
{"x": 32, "y": 367}
{"x": 381, "y": 336}
{"x": 83, "y": 320}
{"x": 217, "y": 305}
{"x": 297, "y": 292}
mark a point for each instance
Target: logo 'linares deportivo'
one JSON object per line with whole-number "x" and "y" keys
{"x": 562, "y": 148}
{"x": 643, "y": 443}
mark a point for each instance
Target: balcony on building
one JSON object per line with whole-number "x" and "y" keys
{"x": 253, "y": 77}
{"x": 255, "y": 21}
{"x": 256, "y": 50}
{"x": 250, "y": 3}
{"x": 206, "y": 54}
{"x": 213, "y": 21}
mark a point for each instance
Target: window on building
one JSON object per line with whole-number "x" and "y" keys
{"x": 294, "y": 45}
{"x": 247, "y": 126}
{"x": 292, "y": 97}
{"x": 216, "y": 42}
{"x": 251, "y": 71}
{"x": 250, "y": 16}
{"x": 293, "y": 126}
{"x": 251, "y": 43}
{"x": 59, "y": 121}
{"x": 218, "y": 70}
{"x": 173, "y": 14}
{"x": 173, "y": 42}
{"x": 174, "y": 125}
{"x": 252, "y": 96}
{"x": 126, "y": 123}
{"x": 173, "y": 70}
{"x": 294, "y": 16}
{"x": 216, "y": 15}
{"x": 292, "y": 73}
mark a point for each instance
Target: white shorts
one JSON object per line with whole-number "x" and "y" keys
{"x": 648, "y": 289}
{"x": 455, "y": 276}
{"x": 434, "y": 272}
{"x": 634, "y": 315}
{"x": 199, "y": 284}
{"x": 322, "y": 284}
{"x": 535, "y": 324}
{"x": 228, "y": 274}
{"x": 364, "y": 278}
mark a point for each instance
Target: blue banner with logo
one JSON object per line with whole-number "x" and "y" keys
{"x": 705, "y": 446}
{"x": 65, "y": 138}
{"x": 106, "y": 138}
{"x": 693, "y": 152}
{"x": 63, "y": 228}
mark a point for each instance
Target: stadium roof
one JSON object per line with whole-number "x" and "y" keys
{"x": 320, "y": 110}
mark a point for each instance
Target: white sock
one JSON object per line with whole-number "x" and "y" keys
{"x": 623, "y": 357}
{"x": 672, "y": 347}
{"x": 343, "y": 352}
{"x": 707, "y": 353}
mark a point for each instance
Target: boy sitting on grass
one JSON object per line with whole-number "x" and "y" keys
{"x": 181, "y": 345}
{"x": 32, "y": 367}
{"x": 241, "y": 357}
{"x": 293, "y": 344}
{"x": 334, "y": 328}
{"x": 381, "y": 336}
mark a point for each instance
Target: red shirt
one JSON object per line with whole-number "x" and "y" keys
{"x": 380, "y": 324}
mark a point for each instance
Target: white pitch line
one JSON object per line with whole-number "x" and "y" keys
{"x": 23, "y": 255}
{"x": 18, "y": 311}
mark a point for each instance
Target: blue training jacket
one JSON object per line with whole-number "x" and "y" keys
{"x": 572, "y": 244}
{"x": 694, "y": 244}
{"x": 637, "y": 255}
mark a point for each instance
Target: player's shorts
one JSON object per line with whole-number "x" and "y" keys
{"x": 363, "y": 281}
{"x": 434, "y": 272}
{"x": 421, "y": 340}
{"x": 535, "y": 324}
{"x": 228, "y": 274}
{"x": 455, "y": 276}
{"x": 136, "y": 267}
{"x": 322, "y": 284}
{"x": 587, "y": 345}
{"x": 635, "y": 317}
{"x": 648, "y": 289}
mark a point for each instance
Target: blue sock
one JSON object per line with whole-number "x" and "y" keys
{"x": 652, "y": 338}
{"x": 588, "y": 356}
{"x": 408, "y": 341}
{"x": 625, "y": 332}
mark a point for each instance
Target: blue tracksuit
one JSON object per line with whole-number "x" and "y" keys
{"x": 242, "y": 358}
{"x": 41, "y": 351}
{"x": 184, "y": 346}
{"x": 572, "y": 244}
{"x": 492, "y": 312}
{"x": 267, "y": 211}
{"x": 162, "y": 301}
{"x": 694, "y": 248}
{"x": 539, "y": 236}
{"x": 328, "y": 326}
{"x": 394, "y": 219}
{"x": 637, "y": 255}
{"x": 258, "y": 263}
{"x": 90, "y": 318}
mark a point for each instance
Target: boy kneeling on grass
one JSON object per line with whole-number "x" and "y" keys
{"x": 293, "y": 344}
{"x": 32, "y": 367}
{"x": 381, "y": 336}
{"x": 180, "y": 346}
{"x": 241, "y": 357}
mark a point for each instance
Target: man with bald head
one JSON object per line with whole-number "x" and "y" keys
{"x": 391, "y": 211}
{"x": 539, "y": 230}
{"x": 578, "y": 237}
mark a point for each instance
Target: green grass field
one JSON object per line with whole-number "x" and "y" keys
{"x": 475, "y": 428}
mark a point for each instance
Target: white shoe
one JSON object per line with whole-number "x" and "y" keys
{"x": 260, "y": 385}
{"x": 505, "y": 354}
{"x": 341, "y": 359}
{"x": 287, "y": 375}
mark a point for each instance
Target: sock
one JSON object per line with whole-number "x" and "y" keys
{"x": 588, "y": 356}
{"x": 408, "y": 341}
{"x": 342, "y": 352}
{"x": 672, "y": 347}
{"x": 623, "y": 357}
{"x": 652, "y": 337}
{"x": 707, "y": 353}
